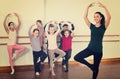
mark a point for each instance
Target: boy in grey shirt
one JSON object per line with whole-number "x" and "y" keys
{"x": 35, "y": 37}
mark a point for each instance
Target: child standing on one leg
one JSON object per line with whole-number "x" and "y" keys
{"x": 44, "y": 53}
{"x": 35, "y": 37}
{"x": 52, "y": 44}
{"x": 66, "y": 25}
{"x": 12, "y": 31}
{"x": 66, "y": 47}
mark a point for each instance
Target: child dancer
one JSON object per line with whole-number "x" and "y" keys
{"x": 12, "y": 31}
{"x": 97, "y": 33}
{"x": 44, "y": 53}
{"x": 52, "y": 44}
{"x": 66, "y": 26}
{"x": 67, "y": 47}
{"x": 35, "y": 37}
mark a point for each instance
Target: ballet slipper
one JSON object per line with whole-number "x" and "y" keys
{"x": 13, "y": 71}
{"x": 64, "y": 66}
{"x": 53, "y": 73}
{"x": 14, "y": 56}
{"x": 37, "y": 73}
{"x": 38, "y": 60}
{"x": 42, "y": 62}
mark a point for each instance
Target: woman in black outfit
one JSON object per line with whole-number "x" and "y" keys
{"x": 95, "y": 45}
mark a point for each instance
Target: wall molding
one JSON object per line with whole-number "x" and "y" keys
{"x": 6, "y": 69}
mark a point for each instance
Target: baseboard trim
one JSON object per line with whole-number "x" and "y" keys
{"x": 5, "y": 69}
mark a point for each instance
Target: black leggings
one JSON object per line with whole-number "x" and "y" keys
{"x": 80, "y": 57}
{"x": 36, "y": 55}
{"x": 66, "y": 58}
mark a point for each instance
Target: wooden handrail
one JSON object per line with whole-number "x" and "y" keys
{"x": 17, "y": 43}
{"x": 89, "y": 35}
{"x": 4, "y": 37}
{"x": 103, "y": 41}
{"x": 72, "y": 41}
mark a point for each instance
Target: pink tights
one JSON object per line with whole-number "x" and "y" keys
{"x": 10, "y": 48}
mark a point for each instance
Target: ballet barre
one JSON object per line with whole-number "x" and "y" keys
{"x": 75, "y": 41}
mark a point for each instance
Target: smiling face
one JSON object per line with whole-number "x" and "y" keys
{"x": 35, "y": 32}
{"x": 67, "y": 33}
{"x": 11, "y": 26}
{"x": 51, "y": 30}
{"x": 65, "y": 26}
{"x": 97, "y": 18}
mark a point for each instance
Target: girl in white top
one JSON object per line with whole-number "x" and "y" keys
{"x": 12, "y": 31}
{"x": 52, "y": 44}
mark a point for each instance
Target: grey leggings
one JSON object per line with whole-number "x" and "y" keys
{"x": 51, "y": 55}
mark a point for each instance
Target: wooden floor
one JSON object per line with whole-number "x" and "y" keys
{"x": 76, "y": 71}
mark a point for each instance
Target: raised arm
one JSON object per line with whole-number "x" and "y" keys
{"x": 42, "y": 39}
{"x": 60, "y": 33}
{"x": 19, "y": 23}
{"x": 58, "y": 30}
{"x": 29, "y": 32}
{"x": 86, "y": 15}
{"x": 72, "y": 25}
{"x": 4, "y": 24}
{"x": 72, "y": 33}
{"x": 46, "y": 29}
{"x": 108, "y": 16}
{"x": 60, "y": 24}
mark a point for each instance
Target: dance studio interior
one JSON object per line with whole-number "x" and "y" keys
{"x": 29, "y": 11}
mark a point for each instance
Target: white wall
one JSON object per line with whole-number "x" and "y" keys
{"x": 72, "y": 10}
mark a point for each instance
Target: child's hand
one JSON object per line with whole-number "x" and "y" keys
{"x": 50, "y": 21}
{"x": 69, "y": 22}
{"x": 8, "y": 15}
{"x": 16, "y": 14}
{"x": 56, "y": 22}
{"x": 33, "y": 25}
{"x": 62, "y": 22}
